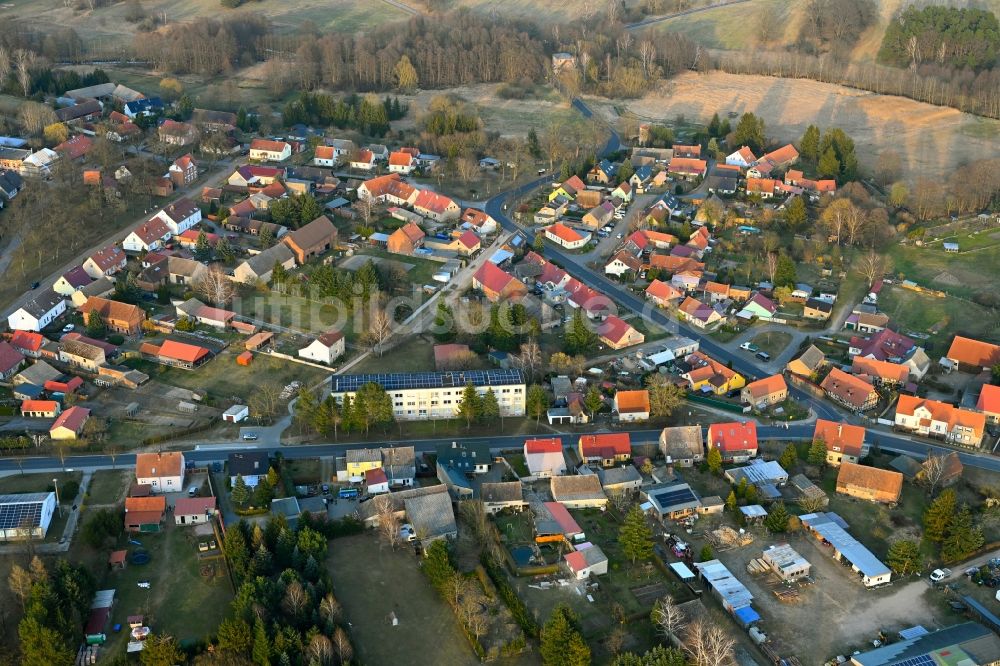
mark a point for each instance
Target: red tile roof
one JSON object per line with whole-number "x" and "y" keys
{"x": 74, "y": 148}
{"x": 733, "y": 437}
{"x": 687, "y": 165}
{"x": 154, "y": 503}
{"x": 492, "y": 278}
{"x": 766, "y": 386}
{"x": 632, "y": 402}
{"x": 614, "y": 329}
{"x": 190, "y": 506}
{"x": 27, "y": 340}
{"x": 662, "y": 291}
{"x": 550, "y": 445}
{"x": 842, "y": 437}
{"x": 607, "y": 445}
{"x": 375, "y": 476}
{"x": 363, "y": 156}
{"x": 73, "y": 419}
{"x": 152, "y": 230}
{"x": 432, "y": 201}
{"x": 324, "y": 152}
{"x": 469, "y": 240}
{"x": 574, "y": 183}
{"x": 109, "y": 257}
{"x": 850, "y": 389}
{"x": 330, "y": 338}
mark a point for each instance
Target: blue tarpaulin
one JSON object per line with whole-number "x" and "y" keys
{"x": 747, "y": 615}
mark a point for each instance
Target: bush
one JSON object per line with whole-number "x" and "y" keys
{"x": 518, "y": 610}
{"x": 68, "y": 491}
{"x": 116, "y": 339}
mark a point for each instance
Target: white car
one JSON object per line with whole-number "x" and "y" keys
{"x": 620, "y": 236}
{"x": 407, "y": 533}
{"x": 939, "y": 575}
{"x": 68, "y": 327}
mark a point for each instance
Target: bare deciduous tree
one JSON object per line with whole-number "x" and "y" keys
{"x": 342, "y": 646}
{"x": 34, "y": 117}
{"x": 330, "y": 609}
{"x": 620, "y": 500}
{"x": 708, "y": 645}
{"x": 530, "y": 359}
{"x": 812, "y": 503}
{"x": 295, "y": 598}
{"x": 388, "y": 521}
{"x": 20, "y": 583}
{"x": 23, "y": 62}
{"x": 933, "y": 471}
{"x": 772, "y": 266}
{"x": 668, "y": 618}
{"x": 380, "y": 327}
{"x": 870, "y": 266}
{"x": 467, "y": 168}
{"x": 215, "y": 286}
{"x": 320, "y": 650}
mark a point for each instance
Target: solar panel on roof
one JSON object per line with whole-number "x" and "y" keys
{"x": 672, "y": 497}
{"x": 402, "y": 381}
{"x": 922, "y": 660}
{"x": 28, "y": 514}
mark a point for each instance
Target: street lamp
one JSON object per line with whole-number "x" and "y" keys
{"x": 55, "y": 483}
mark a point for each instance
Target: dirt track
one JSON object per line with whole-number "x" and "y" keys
{"x": 931, "y": 140}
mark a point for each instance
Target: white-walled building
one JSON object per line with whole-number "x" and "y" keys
{"x": 426, "y": 395}
{"x": 37, "y": 313}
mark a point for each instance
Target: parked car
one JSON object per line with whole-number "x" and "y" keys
{"x": 249, "y": 437}
{"x": 35, "y": 285}
{"x": 750, "y": 347}
{"x": 939, "y": 575}
{"x": 764, "y": 356}
{"x": 68, "y": 327}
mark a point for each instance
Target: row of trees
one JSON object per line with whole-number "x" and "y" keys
{"x": 371, "y": 406}
{"x": 366, "y": 113}
{"x": 949, "y": 36}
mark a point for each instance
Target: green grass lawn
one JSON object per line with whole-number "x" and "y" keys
{"x": 295, "y": 312}
{"x": 773, "y": 343}
{"x": 518, "y": 462}
{"x": 415, "y": 354}
{"x": 38, "y": 483}
{"x": 939, "y": 317}
{"x": 303, "y": 472}
{"x": 423, "y": 269}
{"x": 180, "y": 601}
{"x": 963, "y": 273}
{"x": 108, "y": 486}
{"x": 515, "y": 527}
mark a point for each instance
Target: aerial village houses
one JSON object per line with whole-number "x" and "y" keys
{"x": 617, "y": 333}
{"x": 119, "y": 317}
{"x": 682, "y": 445}
{"x": 632, "y": 405}
{"x": 869, "y": 483}
{"x": 147, "y": 237}
{"x": 932, "y": 418}
{"x": 989, "y": 403}
{"x": 765, "y": 392}
{"x": 105, "y": 262}
{"x": 563, "y": 236}
{"x": 844, "y": 442}
{"x": 436, "y": 206}
{"x": 312, "y": 240}
{"x": 737, "y": 442}
{"x": 970, "y": 355}
{"x": 544, "y": 457}
{"x": 606, "y": 449}
{"x": 44, "y": 308}
{"x": 326, "y": 348}
{"x": 265, "y": 150}
{"x": 406, "y": 239}
{"x": 497, "y": 285}
{"x": 69, "y": 424}
{"x": 852, "y": 392}
{"x": 162, "y": 472}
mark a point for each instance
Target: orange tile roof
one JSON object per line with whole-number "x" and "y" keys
{"x": 632, "y": 401}
{"x": 39, "y": 406}
{"x": 364, "y": 156}
{"x": 324, "y": 152}
{"x": 399, "y": 158}
{"x": 887, "y": 483}
{"x": 673, "y": 264}
{"x": 475, "y": 217}
{"x": 884, "y": 370}
{"x": 154, "y": 503}
{"x": 469, "y": 240}
{"x": 852, "y": 390}
{"x": 658, "y": 237}
{"x": 560, "y": 230}
{"x": 182, "y": 351}
{"x": 989, "y": 399}
{"x": 493, "y": 278}
{"x": 115, "y": 311}
{"x": 942, "y": 411}
{"x": 432, "y": 201}
{"x": 747, "y": 155}
{"x": 149, "y": 465}
{"x": 786, "y": 153}
{"x": 687, "y": 165}
{"x": 765, "y": 185}
{"x": 767, "y": 386}
{"x": 842, "y": 437}
{"x": 974, "y": 352}
{"x": 268, "y": 145}
{"x": 717, "y": 288}
{"x": 614, "y": 329}
{"x": 662, "y": 291}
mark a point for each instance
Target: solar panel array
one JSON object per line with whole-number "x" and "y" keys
{"x": 427, "y": 380}
{"x": 21, "y": 510}
{"x": 922, "y": 660}
{"x": 673, "y": 497}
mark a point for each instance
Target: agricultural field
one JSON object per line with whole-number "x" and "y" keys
{"x": 938, "y": 317}
{"x": 877, "y": 123}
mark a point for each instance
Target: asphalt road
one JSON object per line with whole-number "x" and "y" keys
{"x": 218, "y": 453}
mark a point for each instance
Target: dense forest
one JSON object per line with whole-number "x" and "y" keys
{"x": 943, "y": 36}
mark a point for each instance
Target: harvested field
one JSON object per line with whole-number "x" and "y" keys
{"x": 931, "y": 140}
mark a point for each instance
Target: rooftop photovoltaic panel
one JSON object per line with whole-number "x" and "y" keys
{"x": 922, "y": 660}
{"x": 427, "y": 380}
{"x": 672, "y": 497}
{"x": 21, "y": 510}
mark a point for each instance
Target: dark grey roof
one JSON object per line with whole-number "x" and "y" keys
{"x": 429, "y": 380}
{"x": 10, "y": 182}
{"x": 248, "y": 463}
{"x": 265, "y": 261}
{"x": 42, "y": 303}
{"x": 504, "y": 491}
{"x": 465, "y": 456}
{"x": 981, "y": 645}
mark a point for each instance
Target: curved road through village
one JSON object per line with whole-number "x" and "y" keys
{"x": 497, "y": 207}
